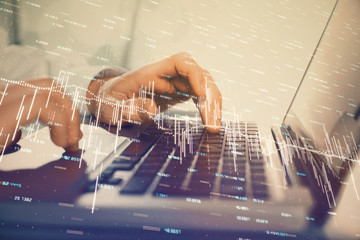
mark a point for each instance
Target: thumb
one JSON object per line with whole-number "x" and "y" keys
{"x": 139, "y": 110}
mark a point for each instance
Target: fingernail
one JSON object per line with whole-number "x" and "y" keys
{"x": 72, "y": 148}
{"x": 148, "y": 110}
{"x": 144, "y": 116}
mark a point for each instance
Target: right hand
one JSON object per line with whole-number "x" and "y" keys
{"x": 174, "y": 79}
{"x": 40, "y": 100}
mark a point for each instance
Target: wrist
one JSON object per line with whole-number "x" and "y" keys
{"x": 93, "y": 92}
{"x": 95, "y": 85}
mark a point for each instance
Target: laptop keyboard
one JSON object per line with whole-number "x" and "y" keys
{"x": 188, "y": 161}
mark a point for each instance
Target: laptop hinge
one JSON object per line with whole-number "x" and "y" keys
{"x": 291, "y": 158}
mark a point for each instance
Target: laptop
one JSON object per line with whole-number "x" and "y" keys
{"x": 171, "y": 179}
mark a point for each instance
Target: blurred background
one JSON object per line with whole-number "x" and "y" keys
{"x": 257, "y": 51}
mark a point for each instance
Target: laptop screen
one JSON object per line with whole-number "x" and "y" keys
{"x": 326, "y": 108}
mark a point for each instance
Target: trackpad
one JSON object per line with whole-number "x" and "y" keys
{"x": 37, "y": 149}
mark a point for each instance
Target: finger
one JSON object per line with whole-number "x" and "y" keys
{"x": 6, "y": 141}
{"x": 139, "y": 110}
{"x": 182, "y": 84}
{"x": 147, "y": 78}
{"x": 200, "y": 82}
{"x": 183, "y": 65}
{"x": 57, "y": 124}
{"x": 64, "y": 133}
{"x": 13, "y": 116}
{"x": 72, "y": 148}
{"x": 17, "y": 137}
{"x": 132, "y": 110}
{"x": 205, "y": 89}
{"x": 10, "y": 122}
{"x": 74, "y": 133}
{"x": 60, "y": 137}
{"x": 211, "y": 109}
{"x": 63, "y": 123}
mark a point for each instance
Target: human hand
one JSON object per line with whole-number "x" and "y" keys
{"x": 167, "y": 82}
{"x": 38, "y": 100}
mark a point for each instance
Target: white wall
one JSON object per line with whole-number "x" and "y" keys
{"x": 7, "y": 22}
{"x": 256, "y": 50}
{"x": 100, "y": 31}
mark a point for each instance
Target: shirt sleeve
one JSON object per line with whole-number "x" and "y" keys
{"x": 74, "y": 74}
{"x": 20, "y": 63}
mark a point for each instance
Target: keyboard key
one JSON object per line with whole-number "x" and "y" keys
{"x": 171, "y": 182}
{"x": 179, "y": 172}
{"x": 235, "y": 174}
{"x": 237, "y": 190}
{"x": 234, "y": 154}
{"x": 260, "y": 191}
{"x": 162, "y": 191}
{"x": 232, "y": 181}
{"x": 137, "y": 185}
{"x": 91, "y": 187}
{"x": 204, "y": 177}
{"x": 169, "y": 191}
{"x": 153, "y": 162}
{"x": 137, "y": 149}
{"x": 201, "y": 189}
{"x": 153, "y": 131}
{"x": 144, "y": 171}
{"x": 103, "y": 180}
{"x": 256, "y": 163}
{"x": 257, "y": 170}
{"x": 257, "y": 178}
{"x": 121, "y": 164}
{"x": 160, "y": 151}
{"x": 206, "y": 168}
{"x": 208, "y": 163}
{"x": 113, "y": 181}
{"x": 107, "y": 172}
{"x": 240, "y": 165}
{"x": 234, "y": 168}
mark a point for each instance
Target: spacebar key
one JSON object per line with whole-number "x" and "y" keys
{"x": 137, "y": 185}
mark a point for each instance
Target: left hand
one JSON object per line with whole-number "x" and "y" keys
{"x": 39, "y": 99}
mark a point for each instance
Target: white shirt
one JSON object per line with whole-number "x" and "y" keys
{"x": 23, "y": 63}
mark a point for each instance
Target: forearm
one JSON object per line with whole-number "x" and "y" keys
{"x": 92, "y": 94}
